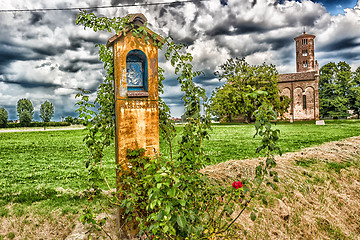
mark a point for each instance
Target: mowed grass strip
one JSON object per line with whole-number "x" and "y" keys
{"x": 237, "y": 142}
{"x": 47, "y": 167}
{"x": 33, "y": 165}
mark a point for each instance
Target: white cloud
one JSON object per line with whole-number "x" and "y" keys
{"x": 64, "y": 91}
{"x": 207, "y": 55}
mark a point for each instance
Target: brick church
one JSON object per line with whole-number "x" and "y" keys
{"x": 303, "y": 86}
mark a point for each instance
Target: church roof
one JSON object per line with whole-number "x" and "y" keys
{"x": 304, "y": 35}
{"x": 298, "y": 76}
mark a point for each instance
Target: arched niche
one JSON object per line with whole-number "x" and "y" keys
{"x": 298, "y": 92}
{"x": 310, "y": 102}
{"x": 136, "y": 74}
{"x": 298, "y": 103}
{"x": 286, "y": 92}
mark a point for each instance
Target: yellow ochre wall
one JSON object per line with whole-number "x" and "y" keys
{"x": 137, "y": 118}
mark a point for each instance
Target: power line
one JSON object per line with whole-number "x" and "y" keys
{"x": 100, "y": 7}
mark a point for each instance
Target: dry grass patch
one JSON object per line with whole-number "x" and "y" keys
{"x": 20, "y": 223}
{"x": 318, "y": 195}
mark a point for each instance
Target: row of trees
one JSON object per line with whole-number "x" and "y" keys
{"x": 25, "y": 112}
{"x": 339, "y": 90}
{"x": 71, "y": 120}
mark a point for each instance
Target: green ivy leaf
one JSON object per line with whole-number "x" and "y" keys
{"x": 171, "y": 192}
{"x": 152, "y": 204}
{"x": 181, "y": 221}
{"x": 182, "y": 202}
{"x": 160, "y": 216}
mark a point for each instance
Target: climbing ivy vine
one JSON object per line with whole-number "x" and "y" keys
{"x": 168, "y": 198}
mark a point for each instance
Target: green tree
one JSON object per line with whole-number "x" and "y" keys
{"x": 334, "y": 90}
{"x": 69, "y": 119}
{"x": 3, "y": 117}
{"x": 46, "y": 111}
{"x": 25, "y": 111}
{"x": 233, "y": 99}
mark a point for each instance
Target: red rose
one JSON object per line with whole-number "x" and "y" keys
{"x": 237, "y": 185}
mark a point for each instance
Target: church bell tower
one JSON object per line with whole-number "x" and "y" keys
{"x": 305, "y": 54}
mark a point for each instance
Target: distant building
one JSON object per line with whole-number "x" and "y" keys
{"x": 303, "y": 86}
{"x": 176, "y": 120}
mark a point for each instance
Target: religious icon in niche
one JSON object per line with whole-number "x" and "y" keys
{"x": 134, "y": 74}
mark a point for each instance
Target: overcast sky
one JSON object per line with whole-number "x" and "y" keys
{"x": 45, "y": 56}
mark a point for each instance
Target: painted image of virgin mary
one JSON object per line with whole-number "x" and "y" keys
{"x": 134, "y": 74}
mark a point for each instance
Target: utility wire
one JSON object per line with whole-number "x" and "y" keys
{"x": 100, "y": 7}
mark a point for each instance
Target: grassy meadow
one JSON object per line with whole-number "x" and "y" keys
{"x": 45, "y": 170}
{"x": 237, "y": 142}
{"x": 42, "y": 171}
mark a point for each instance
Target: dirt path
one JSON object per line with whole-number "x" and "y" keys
{"x": 41, "y": 129}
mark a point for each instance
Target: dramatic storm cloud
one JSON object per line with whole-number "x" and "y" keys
{"x": 45, "y": 56}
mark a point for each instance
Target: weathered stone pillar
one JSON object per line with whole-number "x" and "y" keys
{"x": 136, "y": 99}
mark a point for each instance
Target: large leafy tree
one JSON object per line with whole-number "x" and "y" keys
{"x": 25, "y": 111}
{"x": 46, "y": 111}
{"x": 234, "y": 98}
{"x": 335, "y": 90}
{"x": 3, "y": 117}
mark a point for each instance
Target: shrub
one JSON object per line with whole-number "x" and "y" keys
{"x": 69, "y": 119}
{"x": 39, "y": 124}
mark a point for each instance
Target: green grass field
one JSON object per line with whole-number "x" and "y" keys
{"x": 237, "y": 142}
{"x": 34, "y": 165}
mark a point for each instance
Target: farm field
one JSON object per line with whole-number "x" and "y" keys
{"x": 42, "y": 172}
